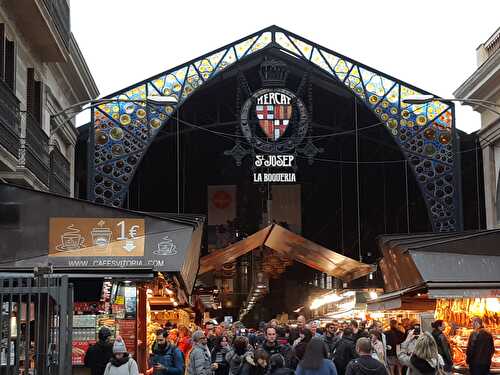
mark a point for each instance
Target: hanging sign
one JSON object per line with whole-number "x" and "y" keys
{"x": 96, "y": 237}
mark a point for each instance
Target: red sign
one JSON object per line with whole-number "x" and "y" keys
{"x": 78, "y": 351}
{"x": 127, "y": 329}
{"x": 88, "y": 307}
{"x": 222, "y": 199}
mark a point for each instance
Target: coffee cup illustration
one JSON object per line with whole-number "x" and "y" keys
{"x": 101, "y": 237}
{"x": 166, "y": 247}
{"x": 71, "y": 240}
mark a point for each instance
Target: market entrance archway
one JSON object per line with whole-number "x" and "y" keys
{"x": 122, "y": 132}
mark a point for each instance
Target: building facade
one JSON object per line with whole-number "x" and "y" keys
{"x": 42, "y": 72}
{"x": 484, "y": 84}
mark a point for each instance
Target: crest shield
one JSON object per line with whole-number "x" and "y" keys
{"x": 274, "y": 119}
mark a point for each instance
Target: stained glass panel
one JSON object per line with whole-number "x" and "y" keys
{"x": 305, "y": 48}
{"x": 283, "y": 41}
{"x": 317, "y": 59}
{"x": 242, "y": 48}
{"x": 263, "y": 41}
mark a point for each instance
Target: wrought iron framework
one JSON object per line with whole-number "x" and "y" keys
{"x": 122, "y": 131}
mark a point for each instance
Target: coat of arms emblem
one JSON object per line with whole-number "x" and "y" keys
{"x": 274, "y": 111}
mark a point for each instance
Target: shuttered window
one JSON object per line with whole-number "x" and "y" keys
{"x": 10, "y": 64}
{"x": 7, "y": 59}
{"x": 34, "y": 96}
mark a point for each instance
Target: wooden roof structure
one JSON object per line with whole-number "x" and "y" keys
{"x": 294, "y": 246}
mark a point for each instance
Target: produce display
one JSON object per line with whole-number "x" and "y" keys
{"x": 458, "y": 314}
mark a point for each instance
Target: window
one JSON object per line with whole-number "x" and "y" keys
{"x": 10, "y": 64}
{"x": 34, "y": 96}
{"x": 7, "y": 59}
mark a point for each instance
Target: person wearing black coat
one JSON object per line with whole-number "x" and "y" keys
{"x": 443, "y": 345}
{"x": 365, "y": 364}
{"x": 480, "y": 349}
{"x": 277, "y": 366}
{"x": 345, "y": 351}
{"x": 297, "y": 353}
{"x": 98, "y": 355}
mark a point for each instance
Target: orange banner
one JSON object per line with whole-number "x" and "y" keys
{"x": 96, "y": 237}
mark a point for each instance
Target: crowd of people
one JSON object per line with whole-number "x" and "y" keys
{"x": 347, "y": 348}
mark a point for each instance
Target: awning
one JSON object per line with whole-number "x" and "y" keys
{"x": 76, "y": 236}
{"x": 406, "y": 299}
{"x": 448, "y": 265}
{"x": 292, "y": 245}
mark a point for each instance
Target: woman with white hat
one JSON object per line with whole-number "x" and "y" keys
{"x": 121, "y": 363}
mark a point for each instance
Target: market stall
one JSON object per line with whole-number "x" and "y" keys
{"x": 458, "y": 314}
{"x": 410, "y": 306}
{"x": 345, "y": 305}
{"x": 439, "y": 269}
{"x": 112, "y": 257}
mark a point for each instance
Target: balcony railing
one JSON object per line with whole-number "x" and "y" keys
{"x": 37, "y": 150}
{"x": 59, "y": 173}
{"x": 9, "y": 120}
{"x": 59, "y": 10}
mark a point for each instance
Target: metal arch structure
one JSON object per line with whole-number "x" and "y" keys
{"x": 123, "y": 131}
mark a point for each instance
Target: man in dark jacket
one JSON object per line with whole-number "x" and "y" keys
{"x": 166, "y": 358}
{"x": 394, "y": 338}
{"x": 98, "y": 355}
{"x": 365, "y": 364}
{"x": 272, "y": 346}
{"x": 357, "y": 331}
{"x": 345, "y": 351}
{"x": 480, "y": 349}
{"x": 331, "y": 339}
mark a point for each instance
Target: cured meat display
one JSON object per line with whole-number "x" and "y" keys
{"x": 458, "y": 314}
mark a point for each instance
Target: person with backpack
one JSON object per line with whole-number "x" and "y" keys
{"x": 345, "y": 351}
{"x": 121, "y": 363}
{"x": 365, "y": 364}
{"x": 330, "y": 338}
{"x": 166, "y": 358}
{"x": 98, "y": 355}
{"x": 315, "y": 361}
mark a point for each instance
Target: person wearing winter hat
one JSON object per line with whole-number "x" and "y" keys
{"x": 121, "y": 363}
{"x": 98, "y": 355}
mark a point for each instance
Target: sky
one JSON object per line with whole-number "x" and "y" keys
{"x": 430, "y": 44}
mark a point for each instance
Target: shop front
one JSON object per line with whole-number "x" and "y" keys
{"x": 342, "y": 306}
{"x": 438, "y": 274}
{"x": 130, "y": 272}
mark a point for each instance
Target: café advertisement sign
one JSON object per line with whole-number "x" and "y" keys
{"x": 115, "y": 242}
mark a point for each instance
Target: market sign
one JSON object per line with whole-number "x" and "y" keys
{"x": 274, "y": 168}
{"x": 274, "y": 121}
